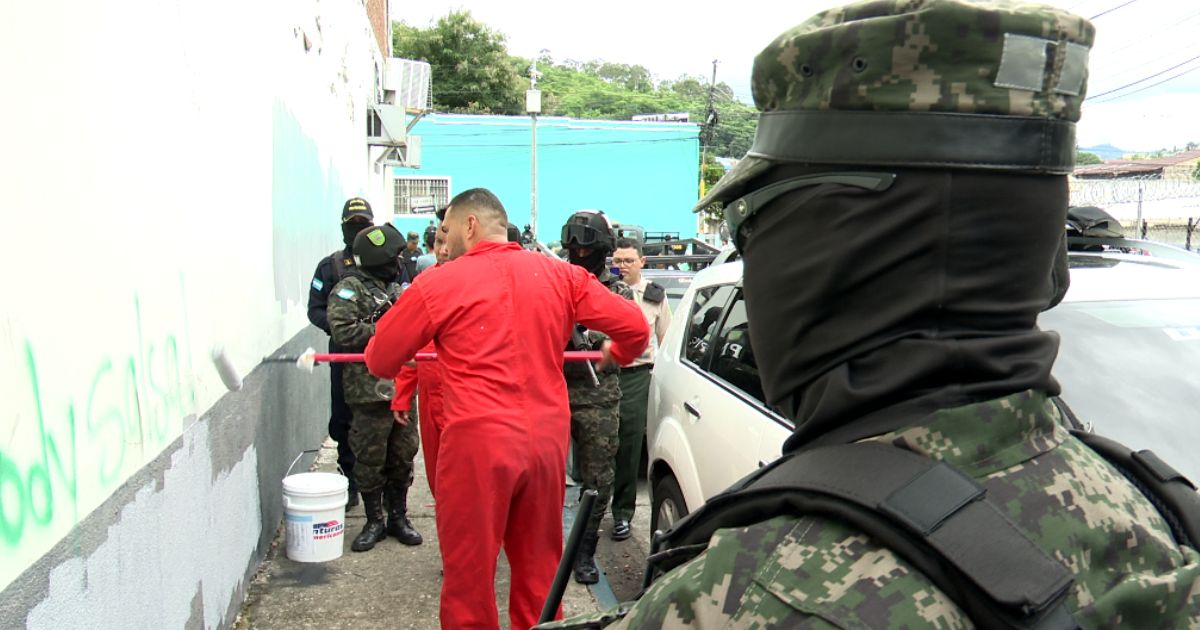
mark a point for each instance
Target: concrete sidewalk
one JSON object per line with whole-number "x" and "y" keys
{"x": 394, "y": 586}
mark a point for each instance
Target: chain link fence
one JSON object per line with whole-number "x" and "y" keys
{"x": 1163, "y": 210}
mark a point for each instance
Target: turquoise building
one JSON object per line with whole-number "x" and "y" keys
{"x": 644, "y": 173}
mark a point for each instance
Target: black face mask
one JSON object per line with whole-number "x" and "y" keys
{"x": 349, "y": 231}
{"x": 869, "y": 310}
{"x": 593, "y": 262}
{"x": 387, "y": 273}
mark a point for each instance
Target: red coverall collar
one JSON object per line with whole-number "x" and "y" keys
{"x": 483, "y": 247}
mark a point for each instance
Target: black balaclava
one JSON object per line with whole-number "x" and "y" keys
{"x": 593, "y": 262}
{"x": 388, "y": 273}
{"x": 349, "y": 231}
{"x": 870, "y": 310}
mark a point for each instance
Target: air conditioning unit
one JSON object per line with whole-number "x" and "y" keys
{"x": 386, "y": 126}
{"x": 408, "y": 84}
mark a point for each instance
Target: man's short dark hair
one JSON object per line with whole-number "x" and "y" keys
{"x": 629, "y": 243}
{"x": 480, "y": 200}
{"x": 514, "y": 234}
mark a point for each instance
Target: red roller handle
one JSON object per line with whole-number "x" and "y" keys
{"x": 570, "y": 355}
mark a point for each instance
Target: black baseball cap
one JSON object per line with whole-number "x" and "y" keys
{"x": 357, "y": 208}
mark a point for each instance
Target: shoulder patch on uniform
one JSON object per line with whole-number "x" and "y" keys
{"x": 317, "y": 284}
{"x": 654, "y": 292}
{"x": 346, "y": 293}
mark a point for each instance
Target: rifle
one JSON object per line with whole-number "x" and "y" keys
{"x": 574, "y": 539}
{"x": 580, "y": 343}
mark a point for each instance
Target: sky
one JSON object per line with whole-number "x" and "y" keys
{"x": 1135, "y": 40}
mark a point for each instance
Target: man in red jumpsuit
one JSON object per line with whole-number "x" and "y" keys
{"x": 426, "y": 377}
{"x": 500, "y": 317}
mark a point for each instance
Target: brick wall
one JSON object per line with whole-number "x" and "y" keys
{"x": 377, "y": 12}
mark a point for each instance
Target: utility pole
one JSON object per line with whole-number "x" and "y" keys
{"x": 1141, "y": 225}
{"x": 533, "y": 105}
{"x": 710, "y": 121}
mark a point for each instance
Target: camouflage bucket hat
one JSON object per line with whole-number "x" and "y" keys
{"x": 925, "y": 83}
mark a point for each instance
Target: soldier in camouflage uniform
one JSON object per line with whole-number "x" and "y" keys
{"x": 595, "y": 407}
{"x": 921, "y": 148}
{"x": 383, "y": 447}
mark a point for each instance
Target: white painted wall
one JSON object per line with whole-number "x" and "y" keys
{"x": 171, "y": 172}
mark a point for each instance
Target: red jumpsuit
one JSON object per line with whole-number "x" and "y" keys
{"x": 500, "y": 317}
{"x": 427, "y": 377}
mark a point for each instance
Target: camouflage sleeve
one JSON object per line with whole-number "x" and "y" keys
{"x": 781, "y": 574}
{"x": 349, "y": 323}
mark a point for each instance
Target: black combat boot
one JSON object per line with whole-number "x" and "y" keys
{"x": 375, "y": 530}
{"x": 352, "y": 494}
{"x": 586, "y": 571}
{"x": 398, "y": 524}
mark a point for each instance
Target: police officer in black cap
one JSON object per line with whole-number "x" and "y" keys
{"x": 356, "y": 215}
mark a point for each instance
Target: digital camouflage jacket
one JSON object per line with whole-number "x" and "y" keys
{"x": 355, "y": 303}
{"x": 805, "y": 572}
{"x": 580, "y": 388}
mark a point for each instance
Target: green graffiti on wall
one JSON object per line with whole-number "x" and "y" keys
{"x": 130, "y": 406}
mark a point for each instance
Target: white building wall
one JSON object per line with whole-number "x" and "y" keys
{"x": 171, "y": 172}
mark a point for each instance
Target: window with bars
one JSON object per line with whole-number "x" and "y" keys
{"x": 421, "y": 195}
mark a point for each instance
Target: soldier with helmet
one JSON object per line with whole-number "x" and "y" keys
{"x": 931, "y": 479}
{"x": 595, "y": 418}
{"x": 383, "y": 446}
{"x": 356, "y": 215}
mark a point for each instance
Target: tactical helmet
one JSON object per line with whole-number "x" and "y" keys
{"x": 937, "y": 83}
{"x": 357, "y": 208}
{"x": 588, "y": 228}
{"x": 378, "y": 245}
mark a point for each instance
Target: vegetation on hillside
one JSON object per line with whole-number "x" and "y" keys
{"x": 474, "y": 73}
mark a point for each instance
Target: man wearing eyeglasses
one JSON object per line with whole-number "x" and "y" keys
{"x": 635, "y": 384}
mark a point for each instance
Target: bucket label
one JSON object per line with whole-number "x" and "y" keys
{"x": 328, "y": 529}
{"x": 298, "y": 518}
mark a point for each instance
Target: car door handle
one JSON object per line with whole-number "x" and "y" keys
{"x": 691, "y": 408}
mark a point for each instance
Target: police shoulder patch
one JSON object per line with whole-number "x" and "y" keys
{"x": 346, "y": 293}
{"x": 317, "y": 284}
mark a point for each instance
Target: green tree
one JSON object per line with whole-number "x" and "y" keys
{"x": 472, "y": 70}
{"x": 712, "y": 171}
{"x": 1083, "y": 157}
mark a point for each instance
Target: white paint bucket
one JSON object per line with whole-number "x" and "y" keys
{"x": 314, "y": 510}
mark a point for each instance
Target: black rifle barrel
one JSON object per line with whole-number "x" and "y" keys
{"x": 574, "y": 539}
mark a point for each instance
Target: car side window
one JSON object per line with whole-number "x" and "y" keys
{"x": 702, "y": 322}
{"x": 733, "y": 358}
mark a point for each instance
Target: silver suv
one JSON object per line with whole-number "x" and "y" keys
{"x": 1129, "y": 364}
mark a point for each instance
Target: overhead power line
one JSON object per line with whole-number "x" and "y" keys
{"x": 1170, "y": 78}
{"x": 1146, "y": 78}
{"x": 1112, "y": 9}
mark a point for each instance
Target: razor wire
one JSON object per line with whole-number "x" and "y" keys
{"x": 1148, "y": 207}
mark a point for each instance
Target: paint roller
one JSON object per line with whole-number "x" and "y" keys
{"x": 310, "y": 357}
{"x": 229, "y": 374}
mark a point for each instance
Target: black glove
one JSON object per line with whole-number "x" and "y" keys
{"x": 380, "y": 311}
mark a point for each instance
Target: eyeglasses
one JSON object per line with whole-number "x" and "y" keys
{"x": 624, "y": 261}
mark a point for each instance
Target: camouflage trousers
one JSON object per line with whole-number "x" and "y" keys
{"x": 594, "y": 428}
{"x": 383, "y": 450}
